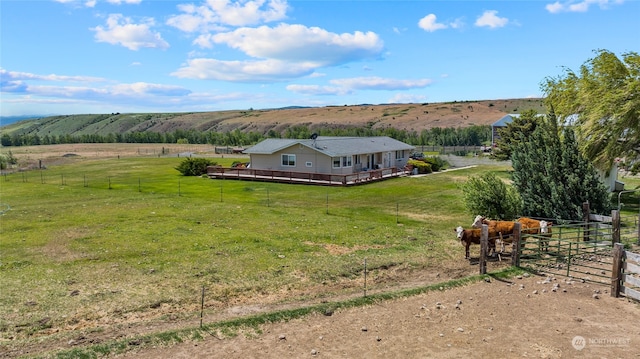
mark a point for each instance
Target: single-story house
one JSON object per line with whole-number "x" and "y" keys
{"x": 329, "y": 155}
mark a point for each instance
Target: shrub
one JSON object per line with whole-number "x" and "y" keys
{"x": 489, "y": 196}
{"x": 436, "y": 163}
{"x": 422, "y": 166}
{"x": 7, "y": 160}
{"x": 194, "y": 166}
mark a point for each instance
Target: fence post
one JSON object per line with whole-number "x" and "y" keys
{"x": 569, "y": 260}
{"x": 365, "y": 277}
{"x": 202, "y": 307}
{"x": 616, "y": 273}
{"x": 585, "y": 218}
{"x": 515, "y": 251}
{"x": 638, "y": 229}
{"x": 484, "y": 243}
{"x": 615, "y": 224}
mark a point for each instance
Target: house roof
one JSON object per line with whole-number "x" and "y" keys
{"x": 507, "y": 119}
{"x": 504, "y": 121}
{"x": 332, "y": 146}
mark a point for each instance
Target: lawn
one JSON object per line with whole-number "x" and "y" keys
{"x": 105, "y": 241}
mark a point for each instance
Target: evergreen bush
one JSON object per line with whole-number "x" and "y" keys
{"x": 194, "y": 166}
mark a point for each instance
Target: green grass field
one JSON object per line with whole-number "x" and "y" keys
{"x": 105, "y": 242}
{"x": 112, "y": 238}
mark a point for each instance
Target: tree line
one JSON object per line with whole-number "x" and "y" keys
{"x": 461, "y": 136}
{"x": 593, "y": 123}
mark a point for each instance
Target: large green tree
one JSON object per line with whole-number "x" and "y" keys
{"x": 552, "y": 176}
{"x": 521, "y": 128}
{"x": 603, "y": 101}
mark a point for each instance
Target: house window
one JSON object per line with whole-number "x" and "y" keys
{"x": 399, "y": 155}
{"x": 346, "y": 161}
{"x": 289, "y": 160}
{"x": 336, "y": 162}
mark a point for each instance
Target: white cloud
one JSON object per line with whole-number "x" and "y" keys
{"x": 349, "y": 85}
{"x": 121, "y": 31}
{"x": 407, "y": 98}
{"x": 92, "y": 3}
{"x": 215, "y": 15}
{"x": 74, "y": 92}
{"x": 579, "y": 6}
{"x": 118, "y": 2}
{"x": 299, "y": 43}
{"x": 429, "y": 23}
{"x": 26, "y": 91}
{"x": 379, "y": 83}
{"x": 243, "y": 71}
{"x": 204, "y": 41}
{"x": 12, "y": 86}
{"x": 13, "y": 80}
{"x": 457, "y": 24}
{"x": 317, "y": 90}
{"x": 148, "y": 89}
{"x": 16, "y": 75}
{"x": 240, "y": 13}
{"x": 490, "y": 19}
{"x": 279, "y": 53}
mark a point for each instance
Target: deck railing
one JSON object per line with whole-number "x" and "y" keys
{"x": 304, "y": 177}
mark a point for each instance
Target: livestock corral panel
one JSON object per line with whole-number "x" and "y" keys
{"x": 626, "y": 273}
{"x": 565, "y": 252}
{"x": 630, "y": 229}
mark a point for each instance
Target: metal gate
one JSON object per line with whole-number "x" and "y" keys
{"x": 565, "y": 252}
{"x": 630, "y": 229}
{"x": 630, "y": 218}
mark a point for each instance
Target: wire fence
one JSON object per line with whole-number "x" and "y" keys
{"x": 396, "y": 208}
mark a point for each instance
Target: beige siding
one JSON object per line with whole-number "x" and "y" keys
{"x": 319, "y": 163}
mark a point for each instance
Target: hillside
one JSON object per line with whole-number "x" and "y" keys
{"x": 400, "y": 116}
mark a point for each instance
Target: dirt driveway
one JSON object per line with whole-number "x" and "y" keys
{"x": 526, "y": 317}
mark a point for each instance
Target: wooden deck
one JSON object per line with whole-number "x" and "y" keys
{"x": 320, "y": 179}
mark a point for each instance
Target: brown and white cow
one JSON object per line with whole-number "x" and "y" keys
{"x": 535, "y": 227}
{"x": 472, "y": 236}
{"x": 506, "y": 228}
{"x": 502, "y": 229}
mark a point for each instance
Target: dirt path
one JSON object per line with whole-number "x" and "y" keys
{"x": 528, "y": 317}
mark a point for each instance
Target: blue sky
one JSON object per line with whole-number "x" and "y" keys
{"x": 104, "y": 56}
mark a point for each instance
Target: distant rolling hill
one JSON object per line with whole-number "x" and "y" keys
{"x": 400, "y": 116}
{"x": 7, "y": 120}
